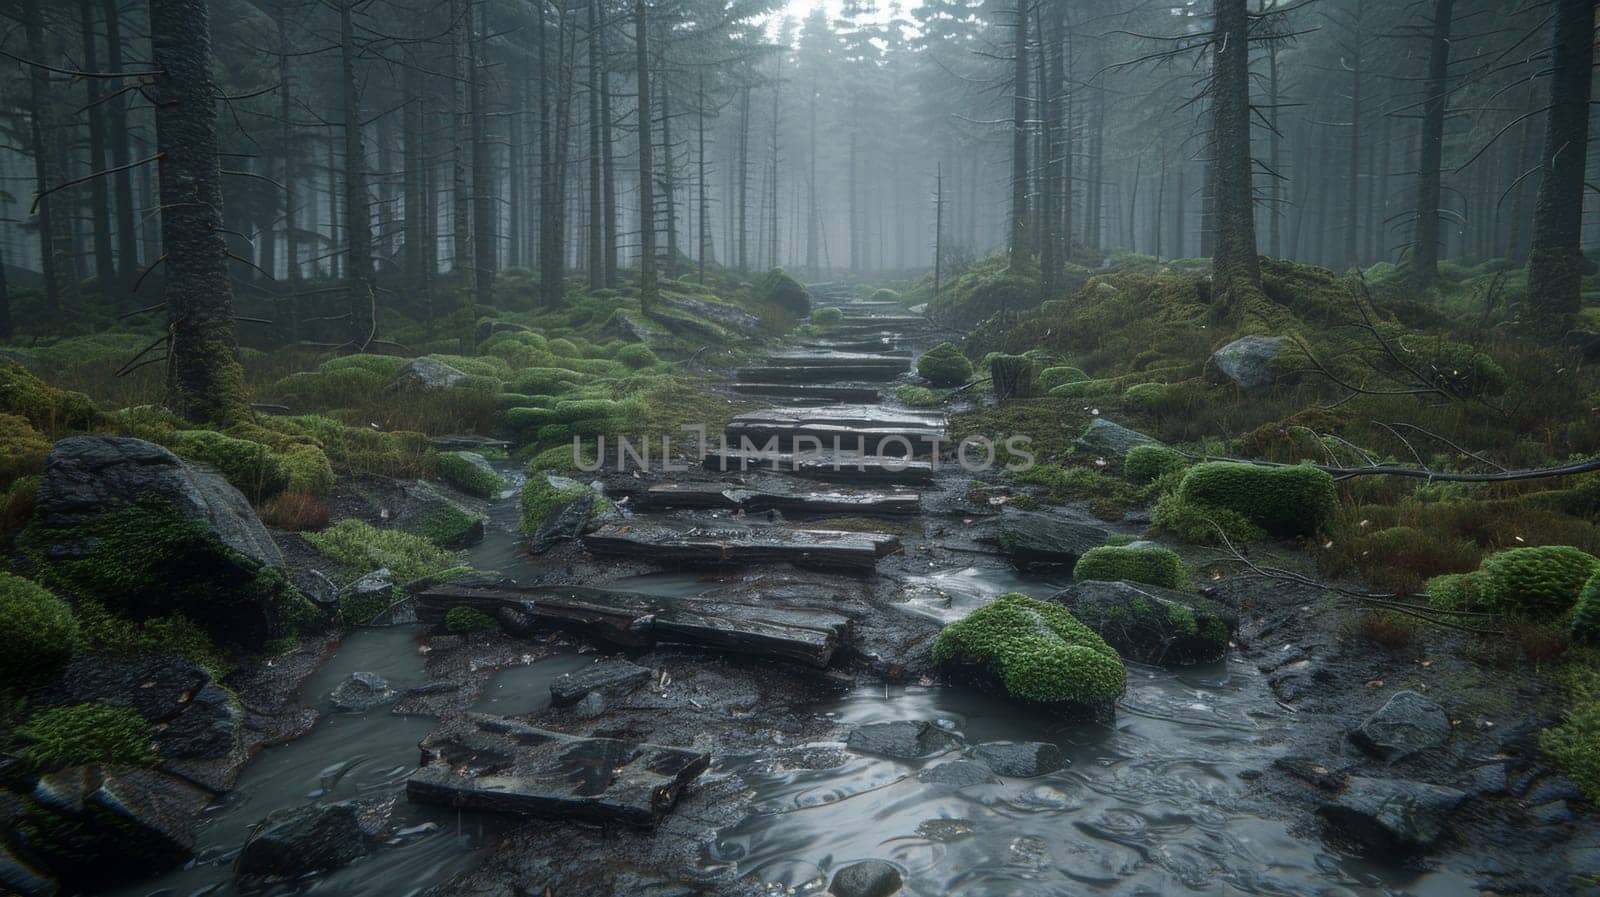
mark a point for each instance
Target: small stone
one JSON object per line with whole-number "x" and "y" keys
{"x": 362, "y": 692}
{"x": 1020, "y": 759}
{"x": 901, "y": 739}
{"x": 1246, "y": 362}
{"x": 1552, "y": 788}
{"x": 609, "y": 676}
{"x": 592, "y": 705}
{"x": 376, "y": 589}
{"x": 315, "y": 585}
{"x": 959, "y": 773}
{"x": 1405, "y": 725}
{"x": 1489, "y": 779}
{"x": 1393, "y": 816}
{"x": 869, "y": 878}
{"x": 291, "y": 843}
{"x": 427, "y": 373}
{"x": 1111, "y": 439}
{"x": 1556, "y": 812}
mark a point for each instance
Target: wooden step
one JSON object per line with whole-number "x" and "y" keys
{"x": 866, "y": 373}
{"x": 720, "y": 496}
{"x": 676, "y": 545}
{"x": 878, "y": 346}
{"x": 840, "y": 467}
{"x": 809, "y": 392}
{"x": 500, "y": 765}
{"x": 805, "y": 635}
{"x": 835, "y": 359}
{"x": 861, "y": 428}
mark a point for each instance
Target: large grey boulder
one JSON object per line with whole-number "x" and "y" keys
{"x": 1406, "y": 724}
{"x": 727, "y": 316}
{"x": 1151, "y": 624}
{"x": 293, "y": 842}
{"x": 1393, "y": 816}
{"x": 1036, "y": 540}
{"x": 868, "y": 878}
{"x": 1247, "y": 362}
{"x": 1111, "y": 439}
{"x": 427, "y": 373}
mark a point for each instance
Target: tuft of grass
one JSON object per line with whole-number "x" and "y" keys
{"x": 81, "y": 734}
{"x": 360, "y": 548}
{"x": 294, "y": 511}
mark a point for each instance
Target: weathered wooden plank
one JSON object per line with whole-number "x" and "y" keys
{"x": 835, "y": 359}
{"x": 840, "y": 467}
{"x": 740, "y": 546}
{"x": 805, "y": 635}
{"x": 667, "y": 496}
{"x": 872, "y": 429}
{"x": 870, "y": 373}
{"x": 807, "y": 391}
{"x": 504, "y": 766}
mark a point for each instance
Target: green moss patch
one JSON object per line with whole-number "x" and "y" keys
{"x": 471, "y": 474}
{"x": 468, "y": 619}
{"x": 1151, "y": 566}
{"x": 359, "y": 547}
{"x": 944, "y": 366}
{"x": 36, "y": 628}
{"x": 1036, "y": 651}
{"x": 1539, "y": 581}
{"x": 1148, "y": 463}
{"x": 1283, "y": 501}
{"x": 82, "y": 734}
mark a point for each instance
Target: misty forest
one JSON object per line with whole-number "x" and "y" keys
{"x": 837, "y": 447}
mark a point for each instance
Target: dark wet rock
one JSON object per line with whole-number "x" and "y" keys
{"x": 317, "y": 587}
{"x": 501, "y": 765}
{"x": 1311, "y": 772}
{"x": 293, "y": 842}
{"x": 868, "y": 878}
{"x": 728, "y": 316}
{"x": 674, "y": 544}
{"x": 805, "y": 635}
{"x": 1552, "y": 788}
{"x": 1556, "y": 812}
{"x": 1406, "y": 724}
{"x": 487, "y": 329}
{"x": 427, "y": 373}
{"x": 428, "y": 512}
{"x": 1151, "y": 624}
{"x": 1247, "y": 362}
{"x": 721, "y": 496}
{"x": 1393, "y": 816}
{"x": 158, "y": 687}
{"x": 593, "y": 704}
{"x": 22, "y": 877}
{"x": 868, "y": 428}
{"x": 807, "y": 392}
{"x": 1111, "y": 440}
{"x": 362, "y": 692}
{"x": 1020, "y": 759}
{"x": 467, "y": 442}
{"x": 844, "y": 466}
{"x": 1488, "y": 779}
{"x": 901, "y": 739}
{"x": 959, "y": 773}
{"x": 96, "y": 826}
{"x": 608, "y": 677}
{"x": 1033, "y": 540}
{"x": 209, "y": 727}
{"x": 635, "y": 329}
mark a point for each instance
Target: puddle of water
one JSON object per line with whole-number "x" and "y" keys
{"x": 1146, "y": 805}
{"x": 347, "y": 756}
{"x": 948, "y": 595}
{"x": 519, "y": 690}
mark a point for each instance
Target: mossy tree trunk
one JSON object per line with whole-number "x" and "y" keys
{"x": 1236, "y": 269}
{"x": 204, "y": 379}
{"x": 1555, "y": 260}
{"x": 648, "y": 289}
{"x": 1425, "y": 245}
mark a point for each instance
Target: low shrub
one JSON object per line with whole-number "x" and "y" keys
{"x": 944, "y": 366}
{"x": 1453, "y": 591}
{"x": 1148, "y": 463}
{"x": 251, "y": 467}
{"x": 1539, "y": 581}
{"x": 1586, "y": 613}
{"x": 1202, "y": 524}
{"x": 36, "y": 628}
{"x": 22, "y": 449}
{"x": 1051, "y": 377}
{"x": 918, "y": 396}
{"x": 102, "y": 632}
{"x": 636, "y": 356}
{"x": 1146, "y": 396}
{"x": 1574, "y": 744}
{"x": 827, "y": 317}
{"x": 294, "y": 511}
{"x": 1283, "y": 501}
{"x": 1150, "y": 566}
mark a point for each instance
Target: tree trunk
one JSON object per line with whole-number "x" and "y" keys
{"x": 1018, "y": 239}
{"x": 669, "y": 186}
{"x": 1555, "y": 260}
{"x": 204, "y": 379}
{"x": 483, "y": 213}
{"x": 1236, "y": 270}
{"x": 461, "y": 196}
{"x": 1425, "y": 248}
{"x": 1352, "y": 221}
{"x": 700, "y": 160}
{"x": 291, "y": 235}
{"x": 116, "y": 120}
{"x": 362, "y": 296}
{"x": 55, "y": 240}
{"x": 648, "y": 289}
{"x": 813, "y": 222}
{"x": 597, "y": 255}
{"x": 608, "y": 169}
{"x": 744, "y": 178}
{"x": 105, "y": 268}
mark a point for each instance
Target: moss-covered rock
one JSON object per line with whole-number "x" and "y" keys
{"x": 1453, "y": 591}
{"x": 22, "y": 449}
{"x": 433, "y": 515}
{"x": 1036, "y": 652}
{"x": 944, "y": 366}
{"x": 1202, "y": 524}
{"x": 785, "y": 292}
{"x": 471, "y": 473}
{"x": 48, "y": 409}
{"x": 58, "y": 737}
{"x": 36, "y": 628}
{"x": 917, "y": 396}
{"x": 827, "y": 317}
{"x": 1147, "y": 397}
{"x": 1051, "y": 377}
{"x": 1283, "y": 501}
{"x": 1148, "y": 463}
{"x": 1151, "y": 566}
{"x": 636, "y": 356}
{"x": 1152, "y": 624}
{"x": 126, "y": 523}
{"x": 555, "y": 509}
{"x": 468, "y": 619}
{"x": 1540, "y": 581}
{"x": 1014, "y": 376}
{"x": 308, "y": 469}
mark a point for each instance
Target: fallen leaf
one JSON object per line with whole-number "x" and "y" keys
{"x": 1374, "y": 683}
